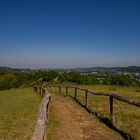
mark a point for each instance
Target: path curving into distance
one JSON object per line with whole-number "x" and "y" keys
{"x": 69, "y": 121}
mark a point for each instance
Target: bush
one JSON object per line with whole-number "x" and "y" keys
{"x": 122, "y": 80}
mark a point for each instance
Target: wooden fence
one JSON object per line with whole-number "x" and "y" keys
{"x": 111, "y": 97}
{"x": 42, "y": 119}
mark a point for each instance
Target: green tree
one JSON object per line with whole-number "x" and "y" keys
{"x": 8, "y": 81}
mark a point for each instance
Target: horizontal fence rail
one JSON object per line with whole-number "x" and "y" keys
{"x": 110, "y": 95}
{"x": 42, "y": 118}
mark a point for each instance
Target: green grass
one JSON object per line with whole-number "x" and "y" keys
{"x": 53, "y": 122}
{"x": 127, "y": 117}
{"x": 18, "y": 113}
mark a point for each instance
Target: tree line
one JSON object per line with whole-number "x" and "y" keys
{"x": 20, "y": 79}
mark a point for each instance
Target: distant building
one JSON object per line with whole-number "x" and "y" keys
{"x": 82, "y": 73}
{"x": 94, "y": 72}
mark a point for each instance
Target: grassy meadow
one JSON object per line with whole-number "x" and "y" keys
{"x": 127, "y": 117}
{"x": 18, "y": 113}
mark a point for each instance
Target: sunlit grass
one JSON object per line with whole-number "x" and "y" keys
{"x": 18, "y": 113}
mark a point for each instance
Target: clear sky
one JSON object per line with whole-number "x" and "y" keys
{"x": 69, "y": 33}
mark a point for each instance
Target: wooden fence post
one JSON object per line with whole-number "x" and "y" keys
{"x": 86, "y": 99}
{"x": 75, "y": 93}
{"x": 40, "y": 90}
{"x": 60, "y": 89}
{"x": 111, "y": 108}
{"x": 33, "y": 89}
{"x": 37, "y": 89}
{"x": 66, "y": 91}
{"x": 44, "y": 90}
{"x": 49, "y": 89}
{"x": 54, "y": 89}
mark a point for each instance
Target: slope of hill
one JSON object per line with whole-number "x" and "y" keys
{"x": 14, "y": 69}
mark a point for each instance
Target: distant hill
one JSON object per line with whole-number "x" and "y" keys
{"x": 14, "y": 69}
{"x": 131, "y": 69}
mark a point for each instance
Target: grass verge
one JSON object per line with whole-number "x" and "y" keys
{"x": 18, "y": 113}
{"x": 52, "y": 124}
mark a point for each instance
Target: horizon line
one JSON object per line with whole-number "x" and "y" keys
{"x": 71, "y": 67}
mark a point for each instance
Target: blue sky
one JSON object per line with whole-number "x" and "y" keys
{"x": 69, "y": 33}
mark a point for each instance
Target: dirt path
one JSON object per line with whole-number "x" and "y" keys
{"x": 72, "y": 122}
